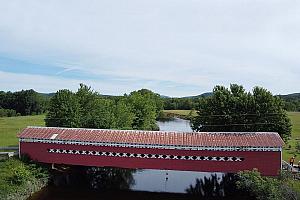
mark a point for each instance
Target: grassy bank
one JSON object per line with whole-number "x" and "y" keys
{"x": 19, "y": 180}
{"x": 11, "y": 126}
{"x": 183, "y": 114}
{"x": 289, "y": 149}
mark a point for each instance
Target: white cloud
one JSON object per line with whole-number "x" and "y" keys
{"x": 41, "y": 83}
{"x": 187, "y": 43}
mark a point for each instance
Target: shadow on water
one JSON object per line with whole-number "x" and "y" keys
{"x": 114, "y": 183}
{"x": 93, "y": 178}
{"x": 79, "y": 182}
{"x": 217, "y": 188}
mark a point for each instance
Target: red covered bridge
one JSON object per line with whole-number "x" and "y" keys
{"x": 187, "y": 151}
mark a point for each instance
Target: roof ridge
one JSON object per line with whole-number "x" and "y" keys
{"x": 126, "y": 130}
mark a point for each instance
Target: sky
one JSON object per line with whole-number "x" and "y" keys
{"x": 173, "y": 47}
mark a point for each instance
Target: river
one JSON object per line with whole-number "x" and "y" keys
{"x": 163, "y": 184}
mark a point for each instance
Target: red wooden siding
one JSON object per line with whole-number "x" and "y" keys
{"x": 267, "y": 162}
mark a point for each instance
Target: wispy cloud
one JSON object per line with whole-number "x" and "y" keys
{"x": 65, "y": 70}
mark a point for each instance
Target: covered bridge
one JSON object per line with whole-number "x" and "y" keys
{"x": 186, "y": 151}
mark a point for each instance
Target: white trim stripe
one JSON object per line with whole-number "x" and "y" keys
{"x": 198, "y": 148}
{"x": 148, "y": 156}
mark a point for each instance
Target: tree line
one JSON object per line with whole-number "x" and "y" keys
{"x": 87, "y": 108}
{"x": 29, "y": 102}
{"x": 180, "y": 103}
{"x": 290, "y": 102}
{"x": 25, "y": 102}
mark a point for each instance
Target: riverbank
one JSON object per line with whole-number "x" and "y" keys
{"x": 182, "y": 114}
{"x": 19, "y": 179}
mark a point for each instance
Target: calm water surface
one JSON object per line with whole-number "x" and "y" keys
{"x": 169, "y": 181}
{"x": 175, "y": 124}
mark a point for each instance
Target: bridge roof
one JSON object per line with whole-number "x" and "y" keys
{"x": 164, "y": 138}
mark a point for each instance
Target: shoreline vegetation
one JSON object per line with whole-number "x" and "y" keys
{"x": 19, "y": 178}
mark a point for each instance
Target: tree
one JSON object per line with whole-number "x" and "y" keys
{"x": 234, "y": 110}
{"x": 264, "y": 188}
{"x": 64, "y": 110}
{"x": 25, "y": 102}
{"x": 89, "y": 109}
{"x": 102, "y": 114}
{"x": 146, "y": 106}
{"x": 87, "y": 105}
{"x": 123, "y": 115}
{"x": 257, "y": 186}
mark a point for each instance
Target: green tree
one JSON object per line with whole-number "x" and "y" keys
{"x": 145, "y": 108}
{"x": 234, "y": 109}
{"x": 97, "y": 111}
{"x": 259, "y": 187}
{"x": 64, "y": 110}
{"x": 264, "y": 188}
{"x": 87, "y": 104}
{"x": 28, "y": 102}
{"x": 88, "y": 109}
{"x": 25, "y": 102}
{"x": 102, "y": 114}
{"x": 123, "y": 115}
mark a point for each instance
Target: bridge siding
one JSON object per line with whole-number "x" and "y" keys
{"x": 268, "y": 163}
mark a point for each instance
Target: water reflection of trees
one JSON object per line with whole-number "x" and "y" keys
{"x": 96, "y": 178}
{"x": 214, "y": 187}
{"x": 110, "y": 178}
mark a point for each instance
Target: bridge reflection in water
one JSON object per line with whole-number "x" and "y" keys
{"x": 112, "y": 183}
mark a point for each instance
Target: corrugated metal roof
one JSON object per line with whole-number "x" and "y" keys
{"x": 200, "y": 139}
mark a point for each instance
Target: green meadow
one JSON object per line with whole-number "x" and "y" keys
{"x": 11, "y": 126}
{"x": 289, "y": 149}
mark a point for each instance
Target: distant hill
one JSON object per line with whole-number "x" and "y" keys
{"x": 47, "y": 94}
{"x": 206, "y": 94}
{"x": 293, "y": 96}
{"x": 164, "y": 96}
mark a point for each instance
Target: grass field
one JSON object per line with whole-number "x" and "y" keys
{"x": 288, "y": 152}
{"x": 181, "y": 112}
{"x": 11, "y": 126}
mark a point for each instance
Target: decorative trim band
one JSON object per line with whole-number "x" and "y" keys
{"x": 146, "y": 156}
{"x": 152, "y": 146}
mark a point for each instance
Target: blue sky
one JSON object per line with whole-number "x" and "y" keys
{"x": 173, "y": 47}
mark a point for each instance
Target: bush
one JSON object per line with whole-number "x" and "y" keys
{"x": 264, "y": 188}
{"x": 7, "y": 112}
{"x": 19, "y": 179}
{"x": 20, "y": 175}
